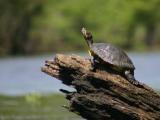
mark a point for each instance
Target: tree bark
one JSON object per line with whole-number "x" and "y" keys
{"x": 102, "y": 94}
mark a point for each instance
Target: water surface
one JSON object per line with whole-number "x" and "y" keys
{"x": 22, "y": 75}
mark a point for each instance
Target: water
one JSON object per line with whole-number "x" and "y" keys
{"x": 22, "y": 75}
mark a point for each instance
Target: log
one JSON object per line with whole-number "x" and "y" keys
{"x": 102, "y": 94}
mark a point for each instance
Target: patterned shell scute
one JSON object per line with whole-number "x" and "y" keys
{"x": 112, "y": 55}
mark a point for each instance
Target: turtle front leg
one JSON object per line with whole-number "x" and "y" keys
{"x": 130, "y": 77}
{"x": 94, "y": 63}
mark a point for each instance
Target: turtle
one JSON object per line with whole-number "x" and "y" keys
{"x": 108, "y": 54}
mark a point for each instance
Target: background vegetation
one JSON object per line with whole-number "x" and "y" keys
{"x": 40, "y": 26}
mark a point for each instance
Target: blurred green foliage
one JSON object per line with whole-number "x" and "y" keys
{"x": 37, "y": 26}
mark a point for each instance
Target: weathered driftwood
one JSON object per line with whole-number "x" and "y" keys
{"x": 103, "y": 94}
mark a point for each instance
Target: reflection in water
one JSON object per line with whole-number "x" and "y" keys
{"x": 22, "y": 75}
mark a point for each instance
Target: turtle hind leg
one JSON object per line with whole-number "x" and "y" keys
{"x": 130, "y": 77}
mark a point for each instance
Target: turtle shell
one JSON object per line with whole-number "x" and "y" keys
{"x": 112, "y": 55}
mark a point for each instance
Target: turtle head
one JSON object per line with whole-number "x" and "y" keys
{"x": 87, "y": 36}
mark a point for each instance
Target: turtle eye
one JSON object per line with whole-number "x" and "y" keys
{"x": 88, "y": 35}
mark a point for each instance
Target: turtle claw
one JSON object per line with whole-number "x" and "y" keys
{"x": 138, "y": 84}
{"x": 134, "y": 82}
